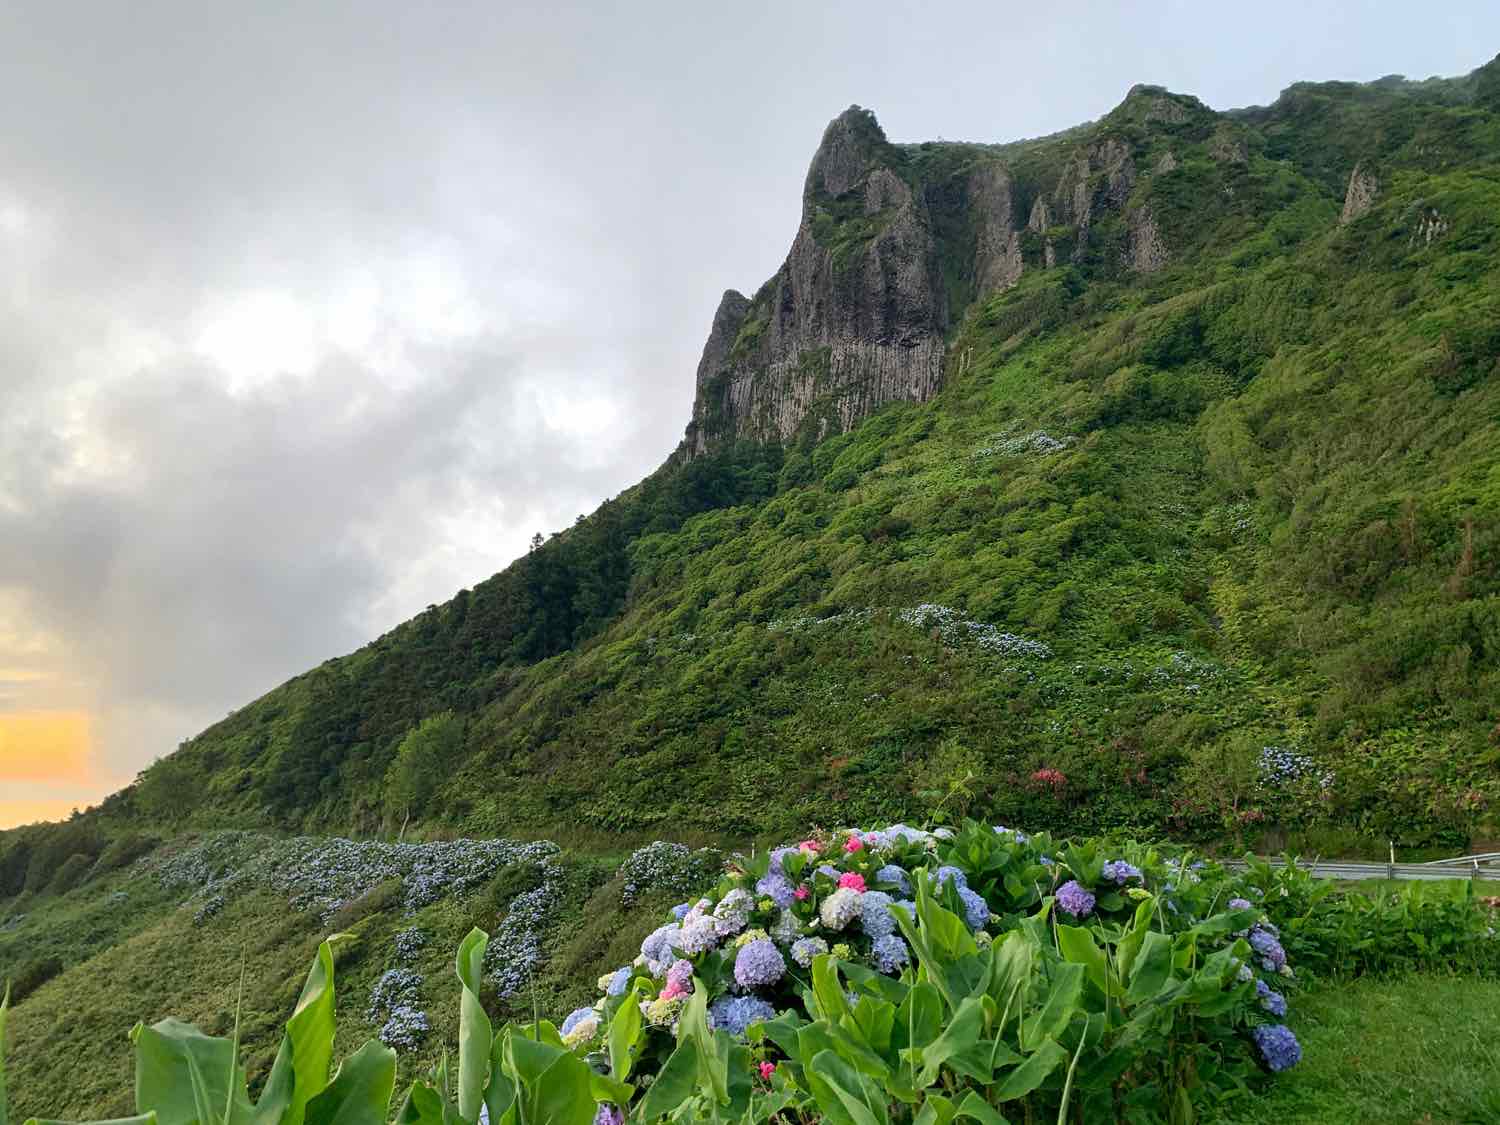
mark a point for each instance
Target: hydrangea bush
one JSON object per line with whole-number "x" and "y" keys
{"x": 1118, "y": 977}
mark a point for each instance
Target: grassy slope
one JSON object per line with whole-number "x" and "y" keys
{"x": 1420, "y": 1049}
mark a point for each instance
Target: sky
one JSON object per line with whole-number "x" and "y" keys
{"x": 312, "y": 314}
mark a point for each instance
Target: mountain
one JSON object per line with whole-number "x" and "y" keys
{"x": 1147, "y": 474}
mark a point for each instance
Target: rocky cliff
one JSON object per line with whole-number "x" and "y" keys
{"x": 897, "y": 241}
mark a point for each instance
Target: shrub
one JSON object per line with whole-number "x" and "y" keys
{"x": 32, "y": 975}
{"x": 74, "y": 870}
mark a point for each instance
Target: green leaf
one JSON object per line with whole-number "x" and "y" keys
{"x": 182, "y": 1075}
{"x": 475, "y": 1035}
{"x": 976, "y": 1108}
{"x": 1062, "y": 1002}
{"x": 360, "y": 1093}
{"x": 1033, "y": 1072}
{"x": 1151, "y": 969}
{"x": 300, "y": 1071}
{"x": 675, "y": 1083}
{"x": 422, "y": 1106}
{"x": 501, "y": 1093}
{"x": 845, "y": 1096}
{"x": 961, "y": 1034}
{"x": 936, "y": 1110}
{"x": 829, "y": 993}
{"x": 1077, "y": 944}
{"x": 920, "y": 1019}
{"x": 624, "y": 1035}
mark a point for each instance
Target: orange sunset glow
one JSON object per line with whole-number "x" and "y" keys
{"x": 46, "y": 766}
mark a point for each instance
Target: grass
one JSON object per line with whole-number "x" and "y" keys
{"x": 1419, "y": 1049}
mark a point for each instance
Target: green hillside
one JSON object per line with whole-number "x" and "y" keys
{"x": 1246, "y": 500}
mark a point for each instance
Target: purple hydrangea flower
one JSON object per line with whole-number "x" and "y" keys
{"x": 758, "y": 964}
{"x": 778, "y": 857}
{"x": 607, "y": 1114}
{"x": 1271, "y": 1001}
{"x": 1120, "y": 872}
{"x": 1240, "y": 904}
{"x": 1072, "y": 897}
{"x": 889, "y": 953}
{"x": 618, "y": 982}
{"x": 681, "y": 974}
{"x": 778, "y": 888}
{"x": 874, "y": 918}
{"x": 830, "y": 871}
{"x": 805, "y": 949}
{"x": 679, "y": 912}
{"x": 698, "y": 936}
{"x": 735, "y": 1013}
{"x": 1278, "y": 1046}
{"x": 892, "y": 876}
{"x": 657, "y": 948}
{"x": 976, "y": 910}
{"x": 576, "y": 1017}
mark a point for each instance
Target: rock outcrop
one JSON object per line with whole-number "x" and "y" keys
{"x": 1360, "y": 195}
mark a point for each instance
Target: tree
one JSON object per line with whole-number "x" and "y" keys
{"x": 424, "y": 759}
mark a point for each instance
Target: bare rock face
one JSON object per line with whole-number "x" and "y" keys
{"x": 997, "y": 250}
{"x": 1360, "y": 195}
{"x": 1100, "y": 176}
{"x": 1227, "y": 148}
{"x": 854, "y": 318}
{"x": 1148, "y": 253}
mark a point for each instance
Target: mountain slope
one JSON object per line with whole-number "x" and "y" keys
{"x": 1211, "y": 464}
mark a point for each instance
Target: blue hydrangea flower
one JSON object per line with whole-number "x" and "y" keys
{"x": 909, "y": 906}
{"x": 1266, "y": 944}
{"x": 618, "y": 982}
{"x": 1278, "y": 1046}
{"x": 778, "y": 888}
{"x": 759, "y": 963}
{"x": 976, "y": 910}
{"x": 892, "y": 876}
{"x": 733, "y": 912}
{"x": 1120, "y": 872}
{"x": 1272, "y": 1001}
{"x": 786, "y": 928}
{"x": 874, "y": 918}
{"x": 736, "y": 1013}
{"x": 679, "y": 912}
{"x": 657, "y": 948}
{"x": 1073, "y": 898}
{"x": 576, "y": 1017}
{"x": 830, "y": 871}
{"x": 889, "y": 953}
{"x": 1239, "y": 904}
{"x": 943, "y": 874}
{"x": 805, "y": 949}
{"x": 778, "y": 856}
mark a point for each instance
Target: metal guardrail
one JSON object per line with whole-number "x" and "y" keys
{"x": 1472, "y": 867}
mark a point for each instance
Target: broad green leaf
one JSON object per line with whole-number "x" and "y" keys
{"x": 185, "y": 1076}
{"x": 829, "y": 992}
{"x": 936, "y": 1110}
{"x": 1151, "y": 969}
{"x": 853, "y": 1050}
{"x": 300, "y": 1071}
{"x": 919, "y": 1020}
{"x": 961, "y": 1034}
{"x": 422, "y": 1106}
{"x": 1130, "y": 944}
{"x": 845, "y": 1096}
{"x": 1062, "y": 1002}
{"x": 1033, "y": 1072}
{"x": 501, "y": 1093}
{"x": 783, "y": 1031}
{"x": 676, "y": 1082}
{"x": 1077, "y": 944}
{"x": 475, "y": 1036}
{"x": 624, "y": 1035}
{"x": 562, "y": 1095}
{"x": 713, "y": 1066}
{"x": 873, "y": 1019}
{"x": 977, "y": 1109}
{"x": 360, "y": 1093}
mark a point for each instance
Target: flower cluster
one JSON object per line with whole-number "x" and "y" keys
{"x": 515, "y": 952}
{"x": 1037, "y": 442}
{"x": 664, "y": 866}
{"x": 409, "y": 944}
{"x": 955, "y": 627}
{"x": 394, "y": 1001}
{"x": 1280, "y": 766}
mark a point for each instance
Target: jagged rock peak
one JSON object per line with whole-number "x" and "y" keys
{"x": 728, "y": 319}
{"x": 852, "y": 142}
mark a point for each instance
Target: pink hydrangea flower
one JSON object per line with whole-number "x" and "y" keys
{"x": 853, "y": 844}
{"x": 673, "y": 991}
{"x": 853, "y": 880}
{"x": 767, "y": 1069}
{"x": 809, "y": 846}
{"x": 801, "y": 893}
